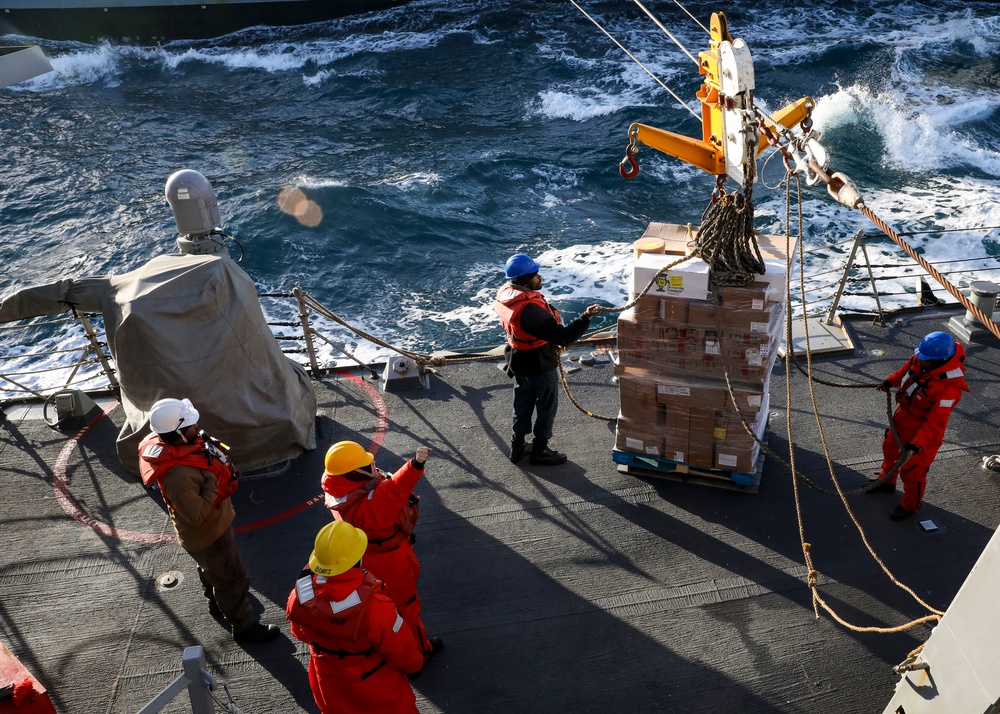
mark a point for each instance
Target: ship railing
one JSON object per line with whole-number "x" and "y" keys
{"x": 861, "y": 278}
{"x": 309, "y": 335}
{"x": 200, "y": 685}
{"x": 89, "y": 366}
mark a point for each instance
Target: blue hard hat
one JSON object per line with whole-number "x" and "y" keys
{"x": 937, "y": 345}
{"x": 519, "y": 265}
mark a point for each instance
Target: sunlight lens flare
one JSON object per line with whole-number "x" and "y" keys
{"x": 292, "y": 201}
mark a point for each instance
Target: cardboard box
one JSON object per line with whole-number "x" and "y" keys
{"x": 737, "y": 459}
{"x": 733, "y": 444}
{"x": 638, "y": 400}
{"x": 773, "y": 251}
{"x": 648, "y": 309}
{"x": 688, "y": 279}
{"x": 677, "y": 239}
{"x": 748, "y": 399}
{"x": 674, "y": 311}
{"x": 756, "y": 296}
{"x": 632, "y": 436}
{"x": 753, "y": 321}
{"x": 691, "y": 393}
{"x": 701, "y": 313}
{"x": 676, "y": 434}
{"x": 701, "y": 446}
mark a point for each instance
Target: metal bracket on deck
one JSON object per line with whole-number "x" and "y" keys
{"x": 72, "y": 407}
{"x": 401, "y": 372}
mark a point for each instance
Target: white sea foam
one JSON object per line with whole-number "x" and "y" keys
{"x": 414, "y": 180}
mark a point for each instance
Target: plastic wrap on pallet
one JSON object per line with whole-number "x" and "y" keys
{"x": 744, "y": 341}
{"x": 687, "y": 420}
{"x": 676, "y": 347}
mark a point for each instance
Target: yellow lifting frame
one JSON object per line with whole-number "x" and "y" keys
{"x": 707, "y": 153}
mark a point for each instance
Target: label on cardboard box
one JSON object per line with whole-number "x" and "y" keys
{"x": 720, "y": 433}
{"x": 673, "y": 390}
{"x": 711, "y": 347}
{"x": 678, "y": 456}
{"x": 757, "y": 305}
{"x": 635, "y": 444}
{"x": 727, "y": 460}
{"x": 753, "y": 358}
{"x": 754, "y": 400}
{"x": 759, "y": 326}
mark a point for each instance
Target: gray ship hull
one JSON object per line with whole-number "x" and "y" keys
{"x": 146, "y": 21}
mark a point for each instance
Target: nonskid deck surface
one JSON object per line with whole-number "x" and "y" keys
{"x": 572, "y": 588}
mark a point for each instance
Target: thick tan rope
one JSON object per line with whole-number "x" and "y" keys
{"x": 932, "y": 271}
{"x": 826, "y": 448}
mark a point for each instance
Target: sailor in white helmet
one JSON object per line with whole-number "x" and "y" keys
{"x": 197, "y": 477}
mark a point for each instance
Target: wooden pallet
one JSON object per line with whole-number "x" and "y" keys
{"x": 657, "y": 467}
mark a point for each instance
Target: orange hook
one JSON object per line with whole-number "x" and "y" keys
{"x": 633, "y": 166}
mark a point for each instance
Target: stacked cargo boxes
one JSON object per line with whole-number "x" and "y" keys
{"x": 677, "y": 344}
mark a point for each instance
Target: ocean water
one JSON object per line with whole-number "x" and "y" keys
{"x": 437, "y": 139}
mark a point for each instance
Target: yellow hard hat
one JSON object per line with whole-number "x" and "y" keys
{"x": 345, "y": 456}
{"x": 339, "y": 545}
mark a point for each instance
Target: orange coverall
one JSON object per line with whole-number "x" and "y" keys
{"x": 390, "y": 555}
{"x": 924, "y": 402}
{"x": 362, "y": 655}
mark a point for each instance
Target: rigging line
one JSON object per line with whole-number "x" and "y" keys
{"x": 669, "y": 34}
{"x": 940, "y": 230}
{"x": 692, "y": 17}
{"x": 636, "y": 60}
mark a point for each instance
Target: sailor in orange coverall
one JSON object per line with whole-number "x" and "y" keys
{"x": 360, "y": 659}
{"x": 385, "y": 508}
{"x": 929, "y": 386}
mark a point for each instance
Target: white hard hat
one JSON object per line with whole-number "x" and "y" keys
{"x": 169, "y": 415}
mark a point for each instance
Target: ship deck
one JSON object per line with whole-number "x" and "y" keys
{"x": 561, "y": 589}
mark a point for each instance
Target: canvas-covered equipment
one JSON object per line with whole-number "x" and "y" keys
{"x": 191, "y": 325}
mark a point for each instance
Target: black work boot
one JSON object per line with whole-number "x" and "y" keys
{"x": 542, "y": 455}
{"x": 517, "y": 448}
{"x": 257, "y": 632}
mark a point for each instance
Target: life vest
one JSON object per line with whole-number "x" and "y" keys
{"x": 380, "y": 541}
{"x": 919, "y": 392}
{"x": 511, "y": 301}
{"x": 336, "y": 623}
{"x": 156, "y": 458}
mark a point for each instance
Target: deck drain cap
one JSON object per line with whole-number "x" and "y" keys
{"x": 169, "y": 580}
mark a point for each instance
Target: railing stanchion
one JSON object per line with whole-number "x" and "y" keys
{"x": 306, "y": 330}
{"x": 95, "y": 346}
{"x": 880, "y": 319}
